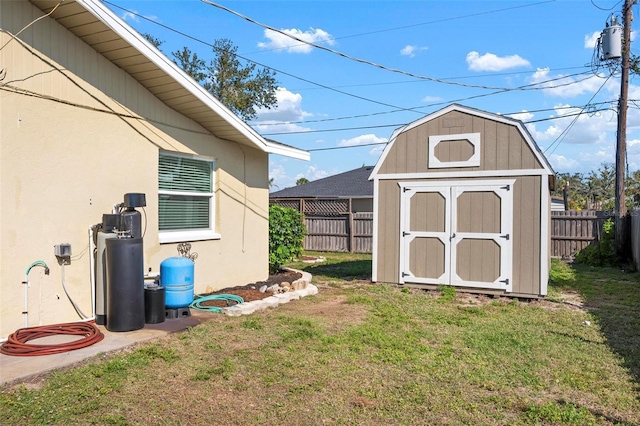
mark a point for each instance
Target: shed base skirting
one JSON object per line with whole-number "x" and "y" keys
{"x": 475, "y": 291}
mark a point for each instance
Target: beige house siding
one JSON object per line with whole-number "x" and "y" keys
{"x": 67, "y": 155}
{"x": 503, "y": 147}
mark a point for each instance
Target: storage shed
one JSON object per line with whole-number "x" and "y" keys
{"x": 462, "y": 198}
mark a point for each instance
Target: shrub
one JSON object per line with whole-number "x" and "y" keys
{"x": 286, "y": 235}
{"x": 602, "y": 254}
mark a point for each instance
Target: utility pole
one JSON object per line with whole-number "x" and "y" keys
{"x": 621, "y": 142}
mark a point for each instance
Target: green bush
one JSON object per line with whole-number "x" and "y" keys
{"x": 286, "y": 235}
{"x": 602, "y": 254}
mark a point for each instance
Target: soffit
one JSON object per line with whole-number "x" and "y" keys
{"x": 97, "y": 34}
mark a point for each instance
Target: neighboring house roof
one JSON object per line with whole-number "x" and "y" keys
{"x": 351, "y": 184}
{"x": 473, "y": 111}
{"x": 100, "y": 28}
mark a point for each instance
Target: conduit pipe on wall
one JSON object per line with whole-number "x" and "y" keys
{"x": 25, "y": 312}
{"x": 92, "y": 267}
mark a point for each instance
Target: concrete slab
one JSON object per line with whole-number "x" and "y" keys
{"x": 23, "y": 368}
{"x": 16, "y": 369}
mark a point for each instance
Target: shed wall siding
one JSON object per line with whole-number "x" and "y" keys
{"x": 526, "y": 234}
{"x": 502, "y": 145}
{"x": 388, "y": 231}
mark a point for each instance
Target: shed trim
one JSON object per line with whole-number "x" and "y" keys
{"x": 461, "y": 174}
{"x": 450, "y": 190}
{"x": 546, "y": 167}
{"x": 545, "y": 208}
{"x": 374, "y": 240}
{"x": 472, "y": 138}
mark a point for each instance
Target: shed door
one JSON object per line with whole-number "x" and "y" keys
{"x": 457, "y": 233}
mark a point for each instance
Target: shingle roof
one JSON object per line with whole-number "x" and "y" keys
{"x": 352, "y": 184}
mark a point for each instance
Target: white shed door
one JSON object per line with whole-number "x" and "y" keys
{"x": 457, "y": 233}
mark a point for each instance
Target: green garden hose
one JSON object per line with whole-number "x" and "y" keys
{"x": 197, "y": 303}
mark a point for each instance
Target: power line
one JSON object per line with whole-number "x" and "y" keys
{"x": 564, "y": 133}
{"x": 352, "y": 58}
{"x": 533, "y": 86}
{"x": 436, "y": 21}
{"x": 421, "y": 107}
{"x": 583, "y": 110}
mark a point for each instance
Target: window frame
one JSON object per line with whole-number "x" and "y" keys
{"x": 184, "y": 235}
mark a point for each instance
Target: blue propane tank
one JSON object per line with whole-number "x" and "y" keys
{"x": 176, "y": 276}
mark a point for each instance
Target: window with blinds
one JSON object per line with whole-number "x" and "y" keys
{"x": 185, "y": 194}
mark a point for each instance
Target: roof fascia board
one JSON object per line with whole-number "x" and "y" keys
{"x": 138, "y": 42}
{"x": 288, "y": 151}
{"x": 482, "y": 114}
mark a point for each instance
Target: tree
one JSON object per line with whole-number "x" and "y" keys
{"x": 153, "y": 40}
{"x": 241, "y": 89}
{"x": 601, "y": 185}
{"x": 302, "y": 181}
{"x": 272, "y": 184}
{"x": 596, "y": 190}
{"x": 577, "y": 191}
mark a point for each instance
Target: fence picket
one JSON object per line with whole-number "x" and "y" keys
{"x": 331, "y": 227}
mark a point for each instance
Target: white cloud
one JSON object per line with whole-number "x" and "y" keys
{"x": 313, "y": 173}
{"x": 377, "y": 150}
{"x": 288, "y": 108}
{"x": 362, "y": 140}
{"x": 561, "y": 163}
{"x": 523, "y": 116}
{"x": 278, "y": 127}
{"x": 280, "y": 41}
{"x": 591, "y": 40}
{"x": 491, "y": 62}
{"x": 129, "y": 16}
{"x": 411, "y": 51}
{"x": 431, "y": 99}
{"x": 567, "y": 87}
{"x": 588, "y": 129}
{"x": 133, "y": 16}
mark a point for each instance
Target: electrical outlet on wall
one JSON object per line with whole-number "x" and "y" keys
{"x": 63, "y": 253}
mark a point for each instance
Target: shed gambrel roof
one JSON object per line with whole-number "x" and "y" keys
{"x": 100, "y": 28}
{"x": 351, "y": 184}
{"x": 546, "y": 166}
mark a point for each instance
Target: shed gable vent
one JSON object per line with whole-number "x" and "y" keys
{"x": 459, "y": 150}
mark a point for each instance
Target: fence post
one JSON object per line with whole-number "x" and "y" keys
{"x": 350, "y": 231}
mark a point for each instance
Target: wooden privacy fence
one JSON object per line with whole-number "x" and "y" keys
{"x": 332, "y": 227}
{"x": 635, "y": 238}
{"x": 351, "y": 232}
{"x": 572, "y": 231}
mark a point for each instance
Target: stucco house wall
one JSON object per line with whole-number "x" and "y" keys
{"x": 71, "y": 147}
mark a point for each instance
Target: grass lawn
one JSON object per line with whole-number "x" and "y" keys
{"x": 369, "y": 354}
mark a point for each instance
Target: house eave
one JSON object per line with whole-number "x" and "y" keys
{"x": 196, "y": 103}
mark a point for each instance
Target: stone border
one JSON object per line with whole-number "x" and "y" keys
{"x": 305, "y": 288}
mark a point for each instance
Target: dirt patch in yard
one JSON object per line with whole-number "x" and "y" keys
{"x": 251, "y": 292}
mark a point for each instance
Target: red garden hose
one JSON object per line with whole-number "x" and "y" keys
{"x": 17, "y": 345}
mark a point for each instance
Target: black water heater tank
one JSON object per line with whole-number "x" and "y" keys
{"x": 125, "y": 284}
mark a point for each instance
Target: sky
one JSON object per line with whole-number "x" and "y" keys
{"x": 357, "y": 70}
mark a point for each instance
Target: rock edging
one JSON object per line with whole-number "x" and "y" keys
{"x": 303, "y": 286}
